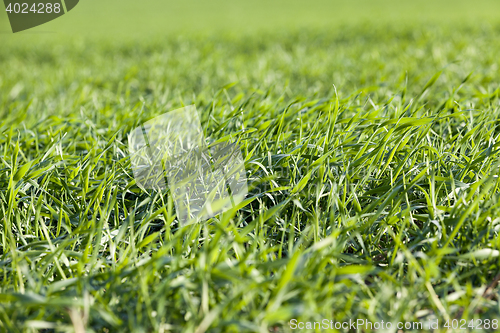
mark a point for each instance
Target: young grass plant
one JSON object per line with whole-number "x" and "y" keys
{"x": 373, "y": 182}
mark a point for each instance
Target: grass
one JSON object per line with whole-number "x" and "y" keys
{"x": 372, "y": 154}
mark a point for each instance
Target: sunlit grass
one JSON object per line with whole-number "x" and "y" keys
{"x": 373, "y": 176}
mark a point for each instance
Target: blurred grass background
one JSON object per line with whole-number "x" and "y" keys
{"x": 124, "y": 19}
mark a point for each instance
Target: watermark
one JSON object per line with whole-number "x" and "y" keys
{"x": 363, "y": 325}
{"x": 26, "y": 14}
{"x": 170, "y": 151}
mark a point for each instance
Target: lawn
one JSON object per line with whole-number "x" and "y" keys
{"x": 372, "y": 149}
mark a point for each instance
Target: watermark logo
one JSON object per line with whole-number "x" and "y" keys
{"x": 170, "y": 151}
{"x": 26, "y": 14}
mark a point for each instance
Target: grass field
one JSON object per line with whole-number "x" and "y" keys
{"x": 372, "y": 149}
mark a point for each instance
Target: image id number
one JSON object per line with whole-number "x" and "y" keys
{"x": 36, "y": 8}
